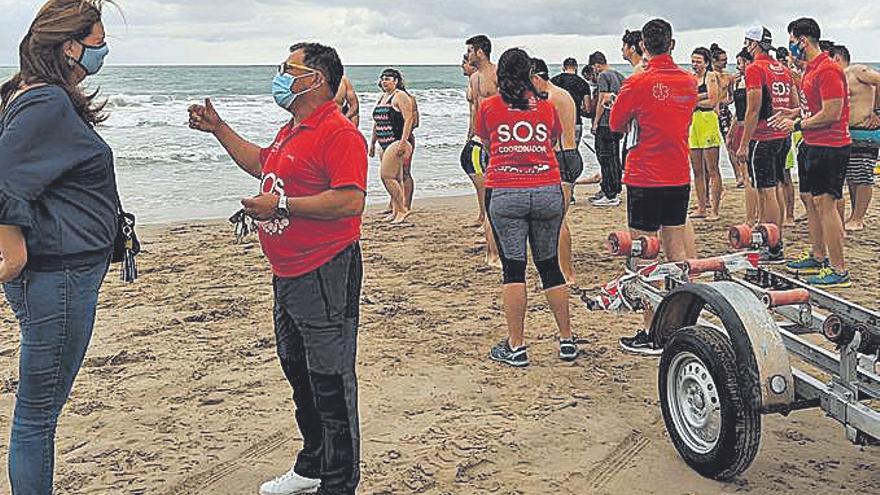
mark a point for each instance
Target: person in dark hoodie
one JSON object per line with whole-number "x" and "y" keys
{"x": 58, "y": 222}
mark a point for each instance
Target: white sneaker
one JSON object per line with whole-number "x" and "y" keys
{"x": 290, "y": 483}
{"x": 615, "y": 201}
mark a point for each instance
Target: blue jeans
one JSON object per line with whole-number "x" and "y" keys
{"x": 56, "y": 313}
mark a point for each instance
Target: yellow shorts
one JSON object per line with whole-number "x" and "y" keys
{"x": 796, "y": 138}
{"x": 705, "y": 131}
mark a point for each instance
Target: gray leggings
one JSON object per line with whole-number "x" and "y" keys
{"x": 533, "y": 216}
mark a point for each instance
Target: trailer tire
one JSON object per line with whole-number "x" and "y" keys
{"x": 712, "y": 427}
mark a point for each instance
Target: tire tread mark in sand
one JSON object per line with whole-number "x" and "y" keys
{"x": 617, "y": 460}
{"x": 197, "y": 483}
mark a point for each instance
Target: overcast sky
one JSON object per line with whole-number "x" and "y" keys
{"x": 433, "y": 32}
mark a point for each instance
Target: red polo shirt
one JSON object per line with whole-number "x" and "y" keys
{"x": 520, "y": 143}
{"x": 825, "y": 80}
{"x": 661, "y": 99}
{"x": 774, "y": 81}
{"x": 323, "y": 152}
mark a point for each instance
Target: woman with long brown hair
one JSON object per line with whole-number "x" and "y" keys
{"x": 58, "y": 222}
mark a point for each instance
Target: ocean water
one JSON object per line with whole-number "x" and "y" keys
{"x": 168, "y": 172}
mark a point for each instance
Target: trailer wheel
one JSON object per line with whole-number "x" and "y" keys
{"x": 713, "y": 429}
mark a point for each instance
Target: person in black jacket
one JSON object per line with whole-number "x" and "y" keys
{"x": 58, "y": 222}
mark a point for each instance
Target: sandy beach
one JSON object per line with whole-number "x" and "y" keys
{"x": 181, "y": 391}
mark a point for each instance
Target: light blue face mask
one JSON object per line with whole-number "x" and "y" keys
{"x": 281, "y": 89}
{"x": 92, "y": 58}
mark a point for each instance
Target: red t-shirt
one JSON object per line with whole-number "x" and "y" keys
{"x": 825, "y": 80}
{"x": 661, "y": 99}
{"x": 773, "y": 79}
{"x": 520, "y": 143}
{"x": 323, "y": 152}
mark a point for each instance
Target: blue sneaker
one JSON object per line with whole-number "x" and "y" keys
{"x": 806, "y": 264}
{"x": 829, "y": 278}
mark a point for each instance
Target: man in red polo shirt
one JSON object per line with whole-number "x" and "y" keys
{"x": 825, "y": 126}
{"x": 764, "y": 148}
{"x": 309, "y": 209}
{"x": 661, "y": 101}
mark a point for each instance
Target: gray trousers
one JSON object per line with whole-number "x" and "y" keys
{"x": 316, "y": 327}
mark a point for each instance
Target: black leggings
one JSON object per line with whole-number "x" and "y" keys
{"x": 530, "y": 216}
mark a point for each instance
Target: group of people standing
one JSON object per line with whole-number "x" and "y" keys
{"x": 60, "y": 209}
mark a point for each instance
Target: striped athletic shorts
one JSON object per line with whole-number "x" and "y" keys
{"x": 861, "y": 165}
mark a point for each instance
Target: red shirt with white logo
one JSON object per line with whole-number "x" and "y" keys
{"x": 520, "y": 143}
{"x": 775, "y": 82}
{"x": 323, "y": 152}
{"x": 825, "y": 80}
{"x": 661, "y": 99}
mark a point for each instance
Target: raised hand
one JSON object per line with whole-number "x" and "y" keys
{"x": 204, "y": 117}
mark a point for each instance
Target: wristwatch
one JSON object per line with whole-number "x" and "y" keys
{"x": 282, "y": 208}
{"x": 798, "y": 127}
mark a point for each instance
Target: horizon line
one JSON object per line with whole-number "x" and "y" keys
{"x": 345, "y": 65}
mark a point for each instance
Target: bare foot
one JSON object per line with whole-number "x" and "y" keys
{"x": 697, "y": 214}
{"x": 401, "y": 217}
{"x": 478, "y": 222}
{"x": 854, "y": 226}
{"x": 713, "y": 217}
{"x": 493, "y": 261}
{"x": 386, "y": 211}
{"x": 389, "y": 217}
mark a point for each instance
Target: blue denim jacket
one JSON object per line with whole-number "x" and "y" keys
{"x": 57, "y": 180}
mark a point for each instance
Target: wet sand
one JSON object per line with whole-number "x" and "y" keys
{"x": 181, "y": 392}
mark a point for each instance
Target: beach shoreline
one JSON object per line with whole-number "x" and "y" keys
{"x": 181, "y": 391}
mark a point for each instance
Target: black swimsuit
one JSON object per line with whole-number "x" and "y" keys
{"x": 740, "y": 103}
{"x": 703, "y": 88}
{"x": 389, "y": 122}
{"x": 725, "y": 118}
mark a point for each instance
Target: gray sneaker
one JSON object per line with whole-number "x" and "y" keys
{"x": 568, "y": 349}
{"x": 503, "y": 353}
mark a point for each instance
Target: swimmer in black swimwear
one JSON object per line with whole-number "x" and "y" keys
{"x": 474, "y": 158}
{"x": 393, "y": 121}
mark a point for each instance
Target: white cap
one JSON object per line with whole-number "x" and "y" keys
{"x": 761, "y": 35}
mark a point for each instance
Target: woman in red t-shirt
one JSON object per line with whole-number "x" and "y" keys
{"x": 524, "y": 199}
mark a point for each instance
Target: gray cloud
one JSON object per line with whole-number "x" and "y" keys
{"x": 457, "y": 18}
{"x": 233, "y": 31}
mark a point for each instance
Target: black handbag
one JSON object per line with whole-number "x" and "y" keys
{"x": 126, "y": 245}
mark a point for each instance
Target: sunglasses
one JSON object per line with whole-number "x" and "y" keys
{"x": 285, "y": 67}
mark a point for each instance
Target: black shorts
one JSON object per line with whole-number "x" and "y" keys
{"x": 571, "y": 165}
{"x": 649, "y": 208}
{"x": 767, "y": 162}
{"x": 825, "y": 169}
{"x": 803, "y": 181}
{"x": 474, "y": 158}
